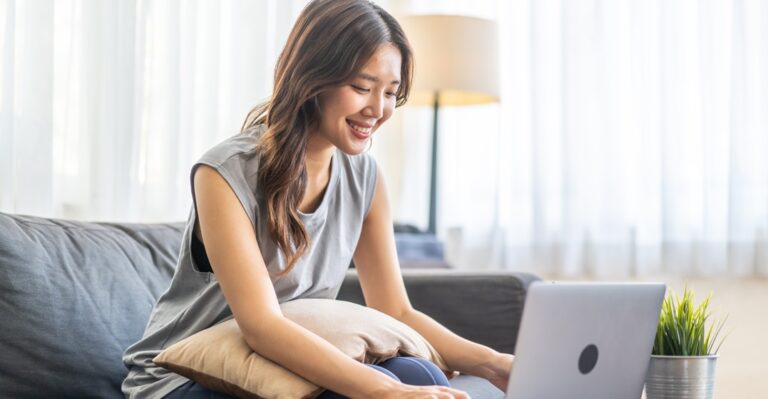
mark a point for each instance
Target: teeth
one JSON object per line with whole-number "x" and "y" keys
{"x": 360, "y": 129}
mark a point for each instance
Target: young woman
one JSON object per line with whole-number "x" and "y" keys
{"x": 281, "y": 208}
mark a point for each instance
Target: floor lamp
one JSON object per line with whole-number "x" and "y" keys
{"x": 455, "y": 63}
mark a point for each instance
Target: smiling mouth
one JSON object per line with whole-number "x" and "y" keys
{"x": 361, "y": 132}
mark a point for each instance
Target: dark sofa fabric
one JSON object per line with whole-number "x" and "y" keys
{"x": 481, "y": 306}
{"x": 74, "y": 295}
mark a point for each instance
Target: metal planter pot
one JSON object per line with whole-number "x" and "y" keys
{"x": 681, "y": 377}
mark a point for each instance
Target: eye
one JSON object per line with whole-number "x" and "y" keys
{"x": 391, "y": 94}
{"x": 360, "y": 89}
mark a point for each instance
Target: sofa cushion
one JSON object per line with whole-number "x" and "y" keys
{"x": 74, "y": 296}
{"x": 219, "y": 358}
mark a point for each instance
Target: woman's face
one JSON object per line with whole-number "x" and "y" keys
{"x": 351, "y": 113}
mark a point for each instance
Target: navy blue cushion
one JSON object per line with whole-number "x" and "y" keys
{"x": 418, "y": 247}
{"x": 74, "y": 295}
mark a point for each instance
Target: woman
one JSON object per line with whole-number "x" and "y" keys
{"x": 281, "y": 208}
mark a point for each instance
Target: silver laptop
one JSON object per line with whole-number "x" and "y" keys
{"x": 585, "y": 340}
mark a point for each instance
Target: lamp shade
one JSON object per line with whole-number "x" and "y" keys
{"x": 455, "y": 56}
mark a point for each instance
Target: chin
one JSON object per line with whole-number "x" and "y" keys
{"x": 352, "y": 149}
{"x": 348, "y": 144}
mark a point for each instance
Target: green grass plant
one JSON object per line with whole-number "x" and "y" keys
{"x": 683, "y": 328}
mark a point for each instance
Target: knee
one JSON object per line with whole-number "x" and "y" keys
{"x": 385, "y": 371}
{"x": 416, "y": 371}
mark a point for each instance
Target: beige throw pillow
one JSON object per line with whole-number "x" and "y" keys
{"x": 218, "y": 358}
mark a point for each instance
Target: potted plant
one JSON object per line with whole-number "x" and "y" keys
{"x": 684, "y": 353}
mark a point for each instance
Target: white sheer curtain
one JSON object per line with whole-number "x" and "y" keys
{"x": 105, "y": 105}
{"x": 631, "y": 139}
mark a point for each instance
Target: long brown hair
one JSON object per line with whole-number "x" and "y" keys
{"x": 329, "y": 44}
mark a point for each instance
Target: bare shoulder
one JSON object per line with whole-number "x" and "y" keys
{"x": 232, "y": 248}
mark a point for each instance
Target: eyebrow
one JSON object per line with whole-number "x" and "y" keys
{"x": 374, "y": 79}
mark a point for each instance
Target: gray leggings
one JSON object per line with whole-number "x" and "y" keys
{"x": 409, "y": 370}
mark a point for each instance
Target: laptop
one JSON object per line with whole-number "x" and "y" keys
{"x": 585, "y": 340}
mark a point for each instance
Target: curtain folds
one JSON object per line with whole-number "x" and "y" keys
{"x": 631, "y": 137}
{"x": 106, "y": 104}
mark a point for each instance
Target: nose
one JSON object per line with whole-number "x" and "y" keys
{"x": 375, "y": 106}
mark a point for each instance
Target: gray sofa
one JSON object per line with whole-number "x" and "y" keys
{"x": 74, "y": 295}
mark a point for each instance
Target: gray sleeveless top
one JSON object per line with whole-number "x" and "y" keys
{"x": 194, "y": 301}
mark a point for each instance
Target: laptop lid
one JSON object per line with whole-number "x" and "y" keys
{"x": 585, "y": 340}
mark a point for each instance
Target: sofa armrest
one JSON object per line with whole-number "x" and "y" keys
{"x": 481, "y": 306}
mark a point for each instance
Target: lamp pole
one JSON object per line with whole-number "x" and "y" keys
{"x": 457, "y": 65}
{"x": 432, "y": 229}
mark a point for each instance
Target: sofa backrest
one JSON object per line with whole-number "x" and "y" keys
{"x": 73, "y": 296}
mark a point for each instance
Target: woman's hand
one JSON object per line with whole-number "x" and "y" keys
{"x": 404, "y": 391}
{"x": 496, "y": 369}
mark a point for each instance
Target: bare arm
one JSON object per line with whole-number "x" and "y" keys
{"x": 383, "y": 289}
{"x": 235, "y": 257}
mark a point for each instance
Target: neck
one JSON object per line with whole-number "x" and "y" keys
{"x": 318, "y": 158}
